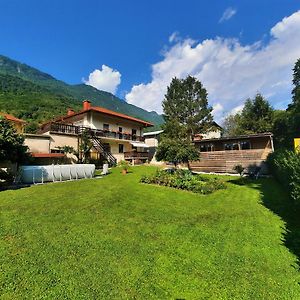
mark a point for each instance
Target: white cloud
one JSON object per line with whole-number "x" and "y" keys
{"x": 218, "y": 111}
{"x": 227, "y": 14}
{"x": 230, "y": 72}
{"x": 105, "y": 79}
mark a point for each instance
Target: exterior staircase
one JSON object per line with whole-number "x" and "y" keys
{"x": 98, "y": 145}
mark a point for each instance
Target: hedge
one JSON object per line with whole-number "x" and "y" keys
{"x": 285, "y": 166}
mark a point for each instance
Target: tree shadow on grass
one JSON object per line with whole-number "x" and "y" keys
{"x": 13, "y": 187}
{"x": 277, "y": 200}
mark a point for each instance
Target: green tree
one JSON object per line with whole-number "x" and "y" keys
{"x": 231, "y": 125}
{"x": 186, "y": 105}
{"x": 11, "y": 143}
{"x": 176, "y": 151}
{"x": 296, "y": 90}
{"x": 186, "y": 112}
{"x": 256, "y": 116}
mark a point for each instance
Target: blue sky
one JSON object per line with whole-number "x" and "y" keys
{"x": 71, "y": 39}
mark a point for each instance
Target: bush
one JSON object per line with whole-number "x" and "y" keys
{"x": 184, "y": 180}
{"x": 285, "y": 166}
{"x": 6, "y": 177}
{"x": 239, "y": 169}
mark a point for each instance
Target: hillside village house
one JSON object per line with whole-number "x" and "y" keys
{"x": 18, "y": 124}
{"x": 115, "y": 136}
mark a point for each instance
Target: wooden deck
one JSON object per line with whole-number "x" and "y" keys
{"x": 224, "y": 161}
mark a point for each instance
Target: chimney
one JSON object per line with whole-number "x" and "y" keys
{"x": 86, "y": 104}
{"x": 70, "y": 112}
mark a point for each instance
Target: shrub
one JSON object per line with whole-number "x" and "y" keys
{"x": 239, "y": 169}
{"x": 6, "y": 177}
{"x": 285, "y": 166}
{"x": 184, "y": 180}
{"x": 124, "y": 164}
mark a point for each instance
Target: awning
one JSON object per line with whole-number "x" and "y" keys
{"x": 139, "y": 144}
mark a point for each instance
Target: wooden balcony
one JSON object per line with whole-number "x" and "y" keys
{"x": 136, "y": 155}
{"x": 72, "y": 129}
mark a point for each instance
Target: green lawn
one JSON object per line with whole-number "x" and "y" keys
{"x": 114, "y": 238}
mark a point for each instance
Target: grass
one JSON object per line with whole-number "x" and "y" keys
{"x": 114, "y": 238}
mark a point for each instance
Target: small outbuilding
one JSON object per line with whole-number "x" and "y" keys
{"x": 220, "y": 155}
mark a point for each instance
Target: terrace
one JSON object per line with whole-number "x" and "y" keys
{"x": 76, "y": 130}
{"x": 136, "y": 155}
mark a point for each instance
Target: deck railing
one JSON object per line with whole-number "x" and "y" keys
{"x": 73, "y": 129}
{"x": 136, "y": 155}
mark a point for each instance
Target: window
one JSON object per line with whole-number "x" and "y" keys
{"x": 206, "y": 147}
{"x": 133, "y": 133}
{"x": 231, "y": 146}
{"x": 120, "y": 133}
{"x": 121, "y": 148}
{"x": 227, "y": 146}
{"x": 105, "y": 126}
{"x": 235, "y": 146}
{"x": 57, "y": 151}
{"x": 245, "y": 145}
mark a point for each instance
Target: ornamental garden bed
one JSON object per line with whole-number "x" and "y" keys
{"x": 184, "y": 180}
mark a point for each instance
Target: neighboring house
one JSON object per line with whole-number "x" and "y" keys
{"x": 42, "y": 150}
{"x": 152, "y": 139}
{"x": 222, "y": 154}
{"x": 214, "y": 133}
{"x": 18, "y": 124}
{"x": 114, "y": 136}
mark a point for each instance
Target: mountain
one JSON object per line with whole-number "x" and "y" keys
{"x": 36, "y": 96}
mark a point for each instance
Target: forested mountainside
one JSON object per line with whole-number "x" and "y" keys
{"x": 36, "y": 96}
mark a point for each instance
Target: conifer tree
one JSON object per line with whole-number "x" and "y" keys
{"x": 186, "y": 113}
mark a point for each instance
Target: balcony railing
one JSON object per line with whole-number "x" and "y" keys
{"x": 72, "y": 129}
{"x": 136, "y": 155}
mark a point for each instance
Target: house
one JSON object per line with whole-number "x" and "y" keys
{"x": 18, "y": 124}
{"x": 215, "y": 132}
{"x": 114, "y": 136}
{"x": 222, "y": 154}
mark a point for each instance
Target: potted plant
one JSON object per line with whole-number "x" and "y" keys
{"x": 124, "y": 166}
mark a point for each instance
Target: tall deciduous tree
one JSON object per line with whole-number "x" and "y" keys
{"x": 186, "y": 112}
{"x": 11, "y": 143}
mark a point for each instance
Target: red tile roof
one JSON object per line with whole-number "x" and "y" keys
{"x": 103, "y": 111}
{"x": 120, "y": 115}
{"x": 11, "y": 118}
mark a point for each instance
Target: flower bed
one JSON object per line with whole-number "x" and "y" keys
{"x": 184, "y": 180}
